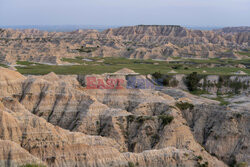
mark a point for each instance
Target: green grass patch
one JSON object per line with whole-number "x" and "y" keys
{"x": 239, "y": 102}
{"x": 131, "y": 164}
{"x": 3, "y": 65}
{"x": 215, "y": 61}
{"x": 110, "y": 65}
{"x": 242, "y": 164}
{"x": 26, "y": 63}
{"x": 244, "y": 53}
{"x": 33, "y": 165}
{"x": 222, "y": 101}
{"x": 199, "y": 92}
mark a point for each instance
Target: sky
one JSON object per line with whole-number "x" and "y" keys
{"x": 125, "y": 12}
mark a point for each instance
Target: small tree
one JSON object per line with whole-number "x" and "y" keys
{"x": 192, "y": 81}
{"x": 157, "y": 75}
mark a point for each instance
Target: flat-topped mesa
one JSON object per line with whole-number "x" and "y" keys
{"x": 150, "y": 30}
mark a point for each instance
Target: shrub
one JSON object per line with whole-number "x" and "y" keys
{"x": 199, "y": 158}
{"x": 141, "y": 119}
{"x": 241, "y": 164}
{"x": 174, "y": 82}
{"x": 131, "y": 164}
{"x": 87, "y": 49}
{"x": 155, "y": 139}
{"x": 233, "y": 161}
{"x": 166, "y": 119}
{"x": 131, "y": 118}
{"x": 176, "y": 67}
{"x": 203, "y": 165}
{"x": 184, "y": 106}
{"x": 157, "y": 75}
{"x": 238, "y": 115}
{"x": 165, "y": 80}
{"x": 170, "y": 81}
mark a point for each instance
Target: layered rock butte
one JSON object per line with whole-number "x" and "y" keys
{"x": 53, "y": 120}
{"x": 142, "y": 41}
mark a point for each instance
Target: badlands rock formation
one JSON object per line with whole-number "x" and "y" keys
{"x": 55, "y": 121}
{"x": 143, "y": 42}
{"x": 234, "y": 29}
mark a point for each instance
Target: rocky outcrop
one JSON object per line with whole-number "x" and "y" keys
{"x": 10, "y": 82}
{"x": 58, "y": 147}
{"x": 12, "y": 154}
{"x": 153, "y": 30}
{"x": 142, "y": 42}
{"x": 54, "y": 120}
{"x": 222, "y": 132}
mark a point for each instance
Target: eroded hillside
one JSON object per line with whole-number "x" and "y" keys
{"x": 56, "y": 121}
{"x": 142, "y": 42}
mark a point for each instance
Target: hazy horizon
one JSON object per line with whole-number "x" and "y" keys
{"x": 199, "y": 13}
{"x": 70, "y": 28}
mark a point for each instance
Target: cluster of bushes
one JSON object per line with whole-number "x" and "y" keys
{"x": 194, "y": 85}
{"x": 236, "y": 85}
{"x": 192, "y": 81}
{"x": 165, "y": 80}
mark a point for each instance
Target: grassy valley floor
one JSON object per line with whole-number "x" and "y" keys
{"x": 109, "y": 65}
